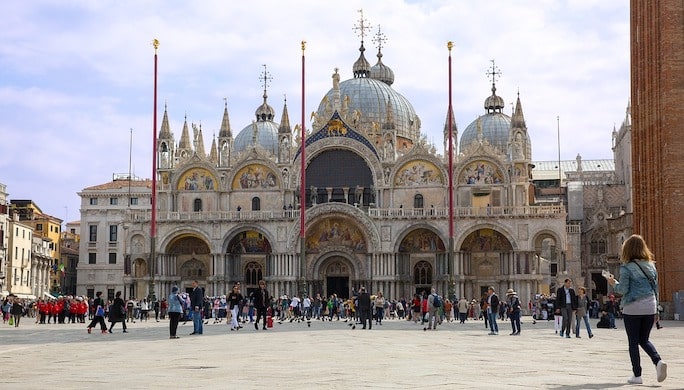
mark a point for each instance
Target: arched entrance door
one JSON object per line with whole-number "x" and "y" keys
{"x": 336, "y": 276}
{"x": 192, "y": 259}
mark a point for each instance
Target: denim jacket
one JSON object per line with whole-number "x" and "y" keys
{"x": 633, "y": 284}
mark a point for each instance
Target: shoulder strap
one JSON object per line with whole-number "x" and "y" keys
{"x": 650, "y": 279}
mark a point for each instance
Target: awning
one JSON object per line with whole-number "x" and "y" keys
{"x": 24, "y": 296}
{"x": 48, "y": 295}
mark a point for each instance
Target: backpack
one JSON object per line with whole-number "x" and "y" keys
{"x": 436, "y": 301}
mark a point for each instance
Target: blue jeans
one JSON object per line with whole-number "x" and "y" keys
{"x": 515, "y": 321}
{"x": 492, "y": 321}
{"x": 611, "y": 320}
{"x": 638, "y": 329}
{"x": 197, "y": 321}
{"x": 586, "y": 323}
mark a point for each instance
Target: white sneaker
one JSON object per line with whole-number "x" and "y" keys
{"x": 635, "y": 380}
{"x": 661, "y": 371}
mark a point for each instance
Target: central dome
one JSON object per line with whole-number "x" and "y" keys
{"x": 266, "y": 137}
{"x": 372, "y": 98}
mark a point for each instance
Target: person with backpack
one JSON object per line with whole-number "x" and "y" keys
{"x": 434, "y": 304}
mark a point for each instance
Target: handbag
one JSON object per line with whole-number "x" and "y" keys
{"x": 99, "y": 312}
{"x": 11, "y": 321}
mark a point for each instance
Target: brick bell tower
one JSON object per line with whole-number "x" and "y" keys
{"x": 657, "y": 92}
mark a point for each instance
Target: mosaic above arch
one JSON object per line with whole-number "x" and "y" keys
{"x": 254, "y": 176}
{"x": 421, "y": 240}
{"x": 417, "y": 173}
{"x": 198, "y": 179}
{"x": 249, "y": 241}
{"x": 334, "y": 232}
{"x": 486, "y": 240}
{"x": 481, "y": 172}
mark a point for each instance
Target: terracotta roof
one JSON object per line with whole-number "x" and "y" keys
{"x": 121, "y": 184}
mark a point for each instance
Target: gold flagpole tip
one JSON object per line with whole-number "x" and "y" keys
{"x": 450, "y": 45}
{"x": 155, "y": 43}
{"x": 303, "y": 45}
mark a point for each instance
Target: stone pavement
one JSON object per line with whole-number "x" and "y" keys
{"x": 330, "y": 355}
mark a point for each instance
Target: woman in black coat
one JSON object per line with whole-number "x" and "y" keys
{"x": 117, "y": 312}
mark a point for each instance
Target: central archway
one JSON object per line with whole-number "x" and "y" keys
{"x": 336, "y": 275}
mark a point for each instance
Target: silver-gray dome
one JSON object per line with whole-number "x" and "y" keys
{"x": 372, "y": 97}
{"x": 267, "y": 137}
{"x": 496, "y": 127}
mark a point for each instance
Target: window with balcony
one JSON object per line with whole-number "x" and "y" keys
{"x": 197, "y": 205}
{"x": 418, "y": 201}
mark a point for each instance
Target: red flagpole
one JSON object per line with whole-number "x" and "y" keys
{"x": 302, "y": 187}
{"x": 450, "y": 255}
{"x": 451, "y": 152}
{"x": 302, "y": 191}
{"x": 153, "y": 222}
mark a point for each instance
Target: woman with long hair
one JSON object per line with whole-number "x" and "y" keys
{"x": 639, "y": 288}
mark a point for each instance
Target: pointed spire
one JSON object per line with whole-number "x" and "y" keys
{"x": 518, "y": 119}
{"x": 165, "y": 132}
{"x": 225, "y": 131}
{"x": 213, "y": 154}
{"x": 199, "y": 148}
{"x": 285, "y": 121}
{"x": 389, "y": 117}
{"x": 450, "y": 113}
{"x": 184, "y": 142}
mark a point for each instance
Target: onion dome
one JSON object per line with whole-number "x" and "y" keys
{"x": 382, "y": 72}
{"x": 494, "y": 103}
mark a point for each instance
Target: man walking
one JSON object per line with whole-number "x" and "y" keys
{"x": 262, "y": 300}
{"x": 492, "y": 311}
{"x": 364, "y": 308}
{"x": 567, "y": 303}
{"x": 196, "y": 302}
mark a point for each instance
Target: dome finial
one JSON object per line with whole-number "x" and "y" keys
{"x": 361, "y": 67}
{"x": 381, "y": 71}
{"x": 265, "y": 112}
{"x": 493, "y": 103}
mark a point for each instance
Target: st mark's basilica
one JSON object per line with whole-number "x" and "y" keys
{"x": 376, "y": 198}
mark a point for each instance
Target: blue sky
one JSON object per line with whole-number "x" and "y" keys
{"x": 76, "y": 76}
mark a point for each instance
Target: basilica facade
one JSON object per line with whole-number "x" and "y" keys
{"x": 376, "y": 205}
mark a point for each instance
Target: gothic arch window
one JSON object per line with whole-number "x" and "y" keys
{"x": 422, "y": 273}
{"x": 418, "y": 201}
{"x": 598, "y": 247}
{"x": 197, "y": 205}
{"x": 253, "y": 273}
{"x": 256, "y": 204}
{"x": 192, "y": 268}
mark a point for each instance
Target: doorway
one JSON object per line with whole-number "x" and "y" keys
{"x": 337, "y": 285}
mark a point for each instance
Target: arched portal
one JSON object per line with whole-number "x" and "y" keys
{"x": 192, "y": 259}
{"x": 245, "y": 261}
{"x": 335, "y": 273}
{"x": 485, "y": 248}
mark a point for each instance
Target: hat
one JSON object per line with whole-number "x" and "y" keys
{"x": 174, "y": 289}
{"x": 511, "y": 292}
